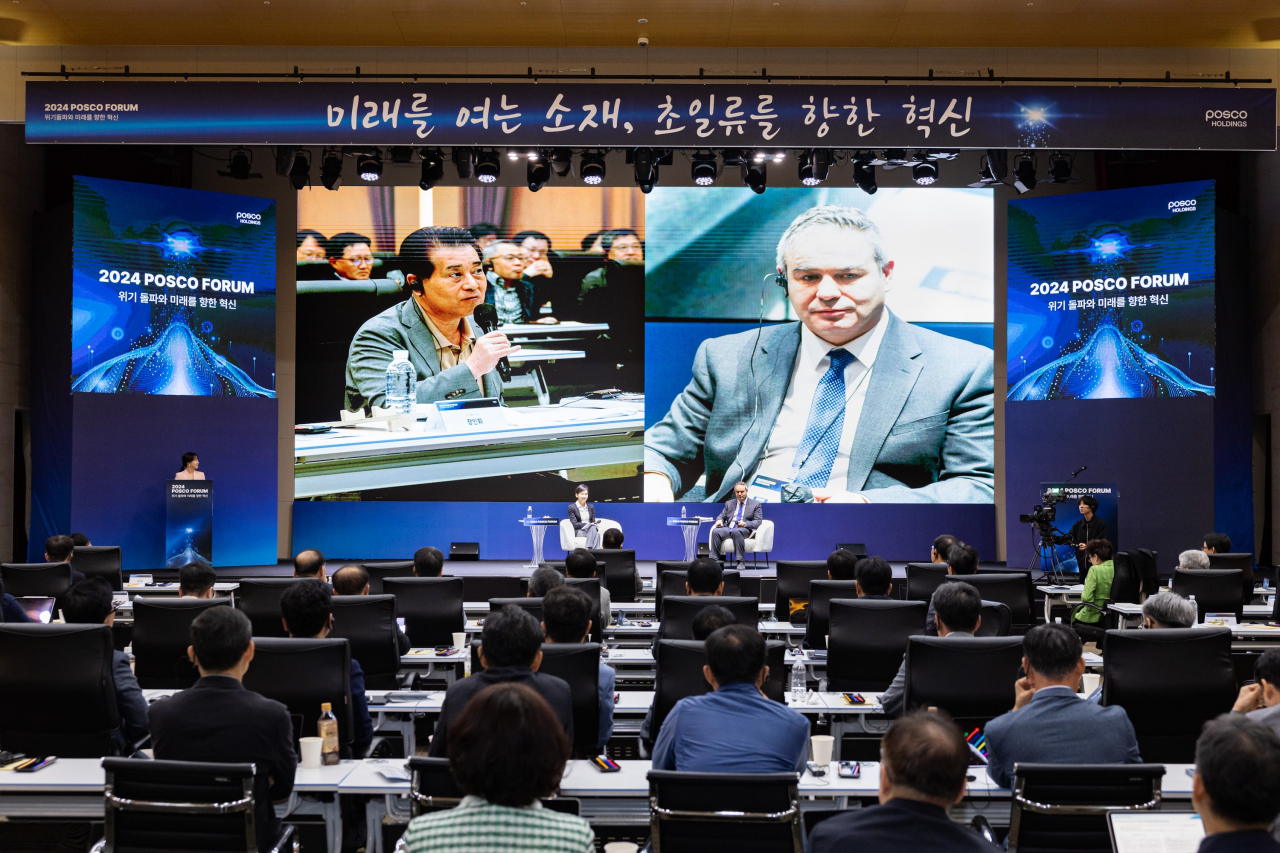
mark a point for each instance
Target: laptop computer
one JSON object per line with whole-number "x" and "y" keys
{"x": 1155, "y": 832}
{"x": 38, "y": 609}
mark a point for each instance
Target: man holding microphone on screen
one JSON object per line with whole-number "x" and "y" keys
{"x": 849, "y": 404}
{"x": 442, "y": 269}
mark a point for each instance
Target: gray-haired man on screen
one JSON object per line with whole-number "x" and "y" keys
{"x": 850, "y": 402}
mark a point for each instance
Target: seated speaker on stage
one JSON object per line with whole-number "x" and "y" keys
{"x": 190, "y": 466}
{"x": 583, "y": 516}
{"x": 849, "y": 403}
{"x": 738, "y": 520}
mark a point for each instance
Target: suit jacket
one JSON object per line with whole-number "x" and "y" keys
{"x": 752, "y": 513}
{"x": 130, "y": 701}
{"x": 219, "y": 720}
{"x": 554, "y": 690}
{"x": 893, "y": 698}
{"x": 1058, "y": 727}
{"x": 926, "y": 434}
{"x": 575, "y": 515}
{"x": 898, "y": 825}
{"x": 524, "y": 290}
{"x": 402, "y": 327}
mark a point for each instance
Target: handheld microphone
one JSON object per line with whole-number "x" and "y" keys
{"x": 486, "y": 317}
{"x": 1077, "y": 472}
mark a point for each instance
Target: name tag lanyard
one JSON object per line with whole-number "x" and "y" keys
{"x": 796, "y": 467}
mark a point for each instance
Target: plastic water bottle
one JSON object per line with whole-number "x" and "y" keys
{"x": 682, "y": 512}
{"x": 528, "y": 513}
{"x": 799, "y": 681}
{"x": 402, "y": 383}
{"x": 1196, "y": 605}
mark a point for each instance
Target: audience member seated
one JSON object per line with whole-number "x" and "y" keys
{"x": 1168, "y": 609}
{"x": 709, "y": 619}
{"x": 1217, "y": 543}
{"x": 613, "y": 539}
{"x": 505, "y": 752}
{"x": 1236, "y": 788}
{"x": 1261, "y": 699}
{"x": 10, "y": 609}
{"x": 60, "y": 549}
{"x": 961, "y": 559}
{"x": 1049, "y": 723}
{"x": 510, "y": 651}
{"x": 581, "y": 563}
{"x": 941, "y": 547}
{"x": 309, "y": 564}
{"x": 1097, "y": 590}
{"x": 196, "y": 580}
{"x": 566, "y": 618}
{"x": 923, "y": 764}
{"x": 958, "y": 613}
{"x": 705, "y": 576}
{"x": 1196, "y": 560}
{"x": 90, "y": 602}
{"x": 80, "y": 540}
{"x": 841, "y": 565}
{"x": 544, "y": 580}
{"x": 354, "y": 580}
{"x": 428, "y": 562}
{"x": 218, "y": 720}
{"x": 735, "y": 729}
{"x": 306, "y": 609}
{"x": 874, "y": 578}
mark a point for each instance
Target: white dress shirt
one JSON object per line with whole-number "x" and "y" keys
{"x": 811, "y": 363}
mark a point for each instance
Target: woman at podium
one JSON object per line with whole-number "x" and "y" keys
{"x": 190, "y": 468}
{"x": 583, "y": 516}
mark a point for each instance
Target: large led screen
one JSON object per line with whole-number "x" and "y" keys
{"x": 820, "y": 345}
{"x": 384, "y": 270}
{"x": 1111, "y": 294}
{"x": 169, "y": 301}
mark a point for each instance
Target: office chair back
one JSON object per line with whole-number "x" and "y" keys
{"x": 432, "y": 608}
{"x": 923, "y": 579}
{"x": 161, "y": 635}
{"x": 433, "y": 787}
{"x": 971, "y": 678}
{"x": 1126, "y": 586}
{"x": 533, "y": 605}
{"x": 791, "y": 597}
{"x": 100, "y": 561}
{"x": 178, "y": 805}
{"x": 368, "y": 622}
{"x": 591, "y": 586}
{"x": 42, "y": 580}
{"x": 379, "y": 572}
{"x": 485, "y": 587}
{"x": 670, "y": 582}
{"x": 302, "y": 674}
{"x": 259, "y": 599}
{"x": 868, "y": 639}
{"x": 1228, "y": 562}
{"x": 680, "y": 610}
{"x": 1216, "y": 591}
{"x": 579, "y": 665}
{"x": 59, "y": 690}
{"x": 1011, "y": 588}
{"x": 1147, "y": 563}
{"x": 619, "y": 572}
{"x": 818, "y": 625}
{"x": 995, "y": 620}
{"x": 744, "y": 812}
{"x": 1065, "y": 806}
{"x": 1170, "y": 681}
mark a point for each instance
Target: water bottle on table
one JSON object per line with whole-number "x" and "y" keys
{"x": 402, "y": 384}
{"x": 799, "y": 681}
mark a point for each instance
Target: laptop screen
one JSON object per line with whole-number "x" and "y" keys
{"x": 1155, "y": 832}
{"x": 38, "y": 609}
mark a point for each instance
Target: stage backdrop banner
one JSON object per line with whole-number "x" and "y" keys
{"x": 189, "y": 530}
{"x": 667, "y": 115}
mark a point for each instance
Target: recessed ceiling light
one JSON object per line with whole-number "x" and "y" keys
{"x": 643, "y": 21}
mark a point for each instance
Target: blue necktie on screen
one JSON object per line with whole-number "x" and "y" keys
{"x": 821, "y": 440}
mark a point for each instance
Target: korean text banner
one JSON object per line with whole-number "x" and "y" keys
{"x": 654, "y": 114}
{"x": 174, "y": 291}
{"x": 1111, "y": 294}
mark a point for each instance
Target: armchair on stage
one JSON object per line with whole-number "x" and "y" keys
{"x": 759, "y": 542}
{"x": 569, "y": 538}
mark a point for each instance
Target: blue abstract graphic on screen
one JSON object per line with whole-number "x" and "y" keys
{"x": 1111, "y": 294}
{"x": 174, "y": 291}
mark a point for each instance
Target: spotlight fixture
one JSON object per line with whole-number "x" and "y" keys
{"x": 815, "y": 165}
{"x": 488, "y": 166}
{"x": 1061, "y": 167}
{"x": 562, "y": 161}
{"x": 465, "y": 160}
{"x": 755, "y": 175}
{"x": 924, "y": 172}
{"x": 646, "y": 168}
{"x": 994, "y": 168}
{"x": 369, "y": 165}
{"x": 591, "y": 168}
{"x": 331, "y": 168}
{"x": 401, "y": 154}
{"x": 300, "y": 170}
{"x": 1024, "y": 172}
{"x": 704, "y": 169}
{"x": 240, "y": 165}
{"x": 864, "y": 174}
{"x": 432, "y": 168}
{"x": 538, "y": 171}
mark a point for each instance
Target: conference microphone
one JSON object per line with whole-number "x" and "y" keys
{"x": 486, "y": 317}
{"x": 1077, "y": 472}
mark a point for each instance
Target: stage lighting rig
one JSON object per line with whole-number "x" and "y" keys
{"x": 562, "y": 161}
{"x": 591, "y": 167}
{"x": 994, "y": 168}
{"x": 1062, "y": 168}
{"x": 864, "y": 172}
{"x": 1024, "y": 172}
{"x": 240, "y": 165}
{"x": 704, "y": 169}
{"x": 755, "y": 175}
{"x": 432, "y": 168}
{"x": 538, "y": 172}
{"x": 300, "y": 169}
{"x": 369, "y": 165}
{"x": 488, "y": 166}
{"x": 924, "y": 172}
{"x": 464, "y": 159}
{"x": 331, "y": 168}
{"x": 815, "y": 165}
{"x": 400, "y": 154}
{"x": 646, "y": 162}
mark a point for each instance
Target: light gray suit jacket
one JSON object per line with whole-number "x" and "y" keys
{"x": 401, "y": 327}
{"x": 926, "y": 433}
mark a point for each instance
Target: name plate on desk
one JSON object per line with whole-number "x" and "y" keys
{"x": 463, "y": 416}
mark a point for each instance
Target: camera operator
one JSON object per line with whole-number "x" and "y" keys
{"x": 1088, "y": 527}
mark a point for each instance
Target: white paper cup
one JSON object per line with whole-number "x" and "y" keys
{"x": 311, "y": 751}
{"x": 460, "y": 640}
{"x": 1091, "y": 680}
{"x": 822, "y": 746}
{"x": 621, "y": 847}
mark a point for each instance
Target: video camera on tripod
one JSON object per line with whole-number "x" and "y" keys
{"x": 1041, "y": 517}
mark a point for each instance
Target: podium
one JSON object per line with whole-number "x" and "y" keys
{"x": 188, "y": 536}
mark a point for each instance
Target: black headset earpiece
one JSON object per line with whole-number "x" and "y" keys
{"x": 780, "y": 280}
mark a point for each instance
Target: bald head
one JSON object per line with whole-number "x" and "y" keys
{"x": 351, "y": 580}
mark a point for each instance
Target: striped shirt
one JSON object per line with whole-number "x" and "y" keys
{"x": 477, "y": 826}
